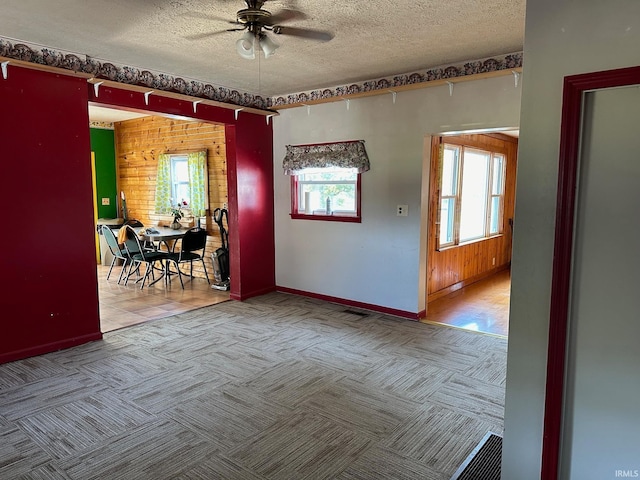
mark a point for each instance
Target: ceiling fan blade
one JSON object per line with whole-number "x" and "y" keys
{"x": 200, "y": 36}
{"x": 286, "y": 15}
{"x": 303, "y": 33}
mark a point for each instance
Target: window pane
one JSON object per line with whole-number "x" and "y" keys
{"x": 328, "y": 174}
{"x": 450, "y": 170}
{"x": 338, "y": 184}
{"x": 497, "y": 186}
{"x": 180, "y": 171}
{"x": 494, "y": 220}
{"x": 179, "y": 181}
{"x": 182, "y": 193}
{"x": 447, "y": 215}
{"x": 343, "y": 197}
{"x": 475, "y": 183}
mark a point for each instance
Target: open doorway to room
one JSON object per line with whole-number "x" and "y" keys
{"x": 470, "y": 226}
{"x": 125, "y": 146}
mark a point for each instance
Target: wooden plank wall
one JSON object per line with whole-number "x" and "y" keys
{"x": 138, "y": 142}
{"x": 455, "y": 267}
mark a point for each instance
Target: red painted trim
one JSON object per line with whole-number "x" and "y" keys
{"x": 255, "y": 293}
{"x": 353, "y": 303}
{"x": 326, "y": 218}
{"x": 294, "y": 195}
{"x": 359, "y": 198}
{"x": 232, "y": 195}
{"x": 49, "y": 347}
{"x": 574, "y": 88}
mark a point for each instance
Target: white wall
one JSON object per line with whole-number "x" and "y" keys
{"x": 378, "y": 261}
{"x": 562, "y": 37}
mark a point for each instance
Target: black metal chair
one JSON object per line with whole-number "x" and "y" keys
{"x": 138, "y": 224}
{"x": 193, "y": 241}
{"x": 139, "y": 256}
{"x": 117, "y": 252}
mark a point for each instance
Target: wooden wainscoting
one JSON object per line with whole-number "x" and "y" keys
{"x": 452, "y": 268}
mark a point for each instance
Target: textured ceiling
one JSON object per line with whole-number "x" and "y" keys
{"x": 372, "y": 39}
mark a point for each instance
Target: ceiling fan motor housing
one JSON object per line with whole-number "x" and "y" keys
{"x": 250, "y": 15}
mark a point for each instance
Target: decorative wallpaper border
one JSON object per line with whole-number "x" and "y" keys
{"x": 194, "y": 88}
{"x": 128, "y": 75}
{"x": 506, "y": 62}
{"x": 102, "y": 125}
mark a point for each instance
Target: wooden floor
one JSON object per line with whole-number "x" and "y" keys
{"x": 482, "y": 306}
{"x": 122, "y": 306}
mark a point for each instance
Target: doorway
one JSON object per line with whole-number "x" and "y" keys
{"x": 591, "y": 419}
{"x": 470, "y": 226}
{"x": 126, "y": 144}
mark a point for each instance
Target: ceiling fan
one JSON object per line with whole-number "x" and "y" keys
{"x": 257, "y": 22}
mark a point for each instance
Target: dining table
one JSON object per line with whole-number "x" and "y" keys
{"x": 163, "y": 235}
{"x": 159, "y": 235}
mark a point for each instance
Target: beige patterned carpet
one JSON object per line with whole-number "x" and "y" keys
{"x": 277, "y": 387}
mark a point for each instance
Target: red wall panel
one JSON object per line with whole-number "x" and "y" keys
{"x": 250, "y": 178}
{"x": 49, "y": 299}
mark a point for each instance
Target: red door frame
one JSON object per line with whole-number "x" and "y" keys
{"x": 574, "y": 88}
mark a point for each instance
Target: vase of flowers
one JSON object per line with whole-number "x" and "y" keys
{"x": 177, "y": 215}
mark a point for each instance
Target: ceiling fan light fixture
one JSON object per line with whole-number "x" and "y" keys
{"x": 245, "y": 45}
{"x": 267, "y": 45}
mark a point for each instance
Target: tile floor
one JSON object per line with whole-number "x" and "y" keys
{"x": 482, "y": 306}
{"x": 122, "y": 306}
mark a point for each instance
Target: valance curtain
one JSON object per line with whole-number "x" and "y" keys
{"x": 198, "y": 193}
{"x": 350, "y": 154}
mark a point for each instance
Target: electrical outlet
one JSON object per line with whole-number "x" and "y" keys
{"x": 403, "y": 210}
{"x": 106, "y": 201}
{"x": 225, "y": 206}
{"x": 494, "y": 261}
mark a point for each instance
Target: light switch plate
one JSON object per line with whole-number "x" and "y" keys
{"x": 106, "y": 201}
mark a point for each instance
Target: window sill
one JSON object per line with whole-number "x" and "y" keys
{"x": 327, "y": 218}
{"x": 470, "y": 242}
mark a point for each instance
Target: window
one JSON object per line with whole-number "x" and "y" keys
{"x": 472, "y": 194}
{"x": 331, "y": 193}
{"x": 180, "y": 179}
{"x": 326, "y": 180}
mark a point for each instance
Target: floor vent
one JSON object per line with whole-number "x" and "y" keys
{"x": 356, "y": 312}
{"x": 484, "y": 462}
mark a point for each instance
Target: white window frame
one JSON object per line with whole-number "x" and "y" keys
{"x": 174, "y": 182}
{"x": 457, "y": 196}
